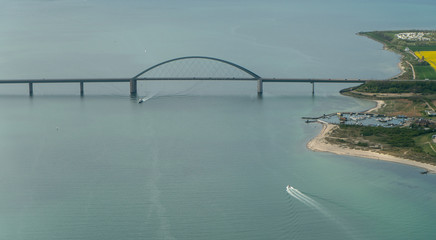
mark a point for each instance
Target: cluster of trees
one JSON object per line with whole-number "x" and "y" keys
{"x": 379, "y": 35}
{"x": 395, "y": 137}
{"x": 424, "y": 87}
{"x": 423, "y": 48}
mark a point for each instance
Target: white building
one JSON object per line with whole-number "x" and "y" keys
{"x": 413, "y": 36}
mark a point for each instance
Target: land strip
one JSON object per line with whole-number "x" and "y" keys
{"x": 321, "y": 144}
{"x": 412, "y": 45}
{"x": 413, "y": 141}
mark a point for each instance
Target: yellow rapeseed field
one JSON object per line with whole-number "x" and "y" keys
{"x": 429, "y": 56}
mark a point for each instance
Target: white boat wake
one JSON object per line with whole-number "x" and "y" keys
{"x": 306, "y": 200}
{"x": 303, "y": 198}
{"x": 141, "y": 100}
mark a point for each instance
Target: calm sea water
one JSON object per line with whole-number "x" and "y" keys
{"x": 198, "y": 160}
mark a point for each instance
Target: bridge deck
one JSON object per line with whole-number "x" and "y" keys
{"x": 102, "y": 80}
{"x": 76, "y": 80}
{"x": 140, "y": 77}
{"x": 133, "y": 84}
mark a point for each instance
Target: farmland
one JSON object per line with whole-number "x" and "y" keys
{"x": 428, "y": 56}
{"x": 412, "y": 45}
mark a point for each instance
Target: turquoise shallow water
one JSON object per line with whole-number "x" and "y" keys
{"x": 193, "y": 167}
{"x": 198, "y": 160}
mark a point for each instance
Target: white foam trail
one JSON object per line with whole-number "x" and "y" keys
{"x": 141, "y": 100}
{"x": 145, "y": 99}
{"x": 308, "y": 201}
{"x": 303, "y": 198}
{"x": 299, "y": 198}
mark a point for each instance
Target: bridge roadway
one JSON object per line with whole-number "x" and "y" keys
{"x": 133, "y": 81}
{"x": 102, "y": 80}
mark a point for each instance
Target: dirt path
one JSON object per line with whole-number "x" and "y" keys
{"x": 429, "y": 143}
{"x": 413, "y": 69}
{"x": 428, "y": 105}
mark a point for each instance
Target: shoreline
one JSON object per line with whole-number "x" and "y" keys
{"x": 320, "y": 144}
{"x": 402, "y": 61}
{"x": 400, "y": 66}
{"x": 380, "y": 104}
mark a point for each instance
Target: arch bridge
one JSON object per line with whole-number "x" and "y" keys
{"x": 188, "y": 68}
{"x": 242, "y": 74}
{"x": 194, "y": 68}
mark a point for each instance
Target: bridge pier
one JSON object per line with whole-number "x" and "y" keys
{"x": 133, "y": 87}
{"x": 259, "y": 87}
{"x": 313, "y": 88}
{"x": 81, "y": 89}
{"x": 31, "y": 89}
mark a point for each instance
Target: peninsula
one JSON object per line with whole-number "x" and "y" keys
{"x": 417, "y": 48}
{"x": 412, "y": 143}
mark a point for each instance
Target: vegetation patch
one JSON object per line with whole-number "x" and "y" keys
{"x": 425, "y": 72}
{"x": 425, "y": 141}
{"x": 423, "y": 87}
{"x": 411, "y": 143}
{"x": 409, "y": 98}
{"x": 422, "y": 48}
{"x": 406, "y": 107}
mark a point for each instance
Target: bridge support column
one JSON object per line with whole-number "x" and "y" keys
{"x": 313, "y": 88}
{"x": 31, "y": 89}
{"x": 81, "y": 89}
{"x": 259, "y": 87}
{"x": 133, "y": 87}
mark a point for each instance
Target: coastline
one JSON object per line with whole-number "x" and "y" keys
{"x": 402, "y": 61}
{"x": 380, "y": 104}
{"x": 320, "y": 144}
{"x": 401, "y": 67}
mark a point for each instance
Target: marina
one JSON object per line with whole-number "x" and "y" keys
{"x": 362, "y": 119}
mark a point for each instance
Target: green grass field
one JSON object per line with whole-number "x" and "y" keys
{"x": 425, "y": 72}
{"x": 402, "y": 142}
{"x": 422, "y": 48}
{"x": 426, "y": 143}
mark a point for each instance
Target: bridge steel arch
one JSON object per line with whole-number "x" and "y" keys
{"x": 133, "y": 81}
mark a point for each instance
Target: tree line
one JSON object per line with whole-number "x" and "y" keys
{"x": 424, "y": 87}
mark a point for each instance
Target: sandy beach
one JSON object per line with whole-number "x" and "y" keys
{"x": 320, "y": 144}
{"x": 380, "y": 104}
